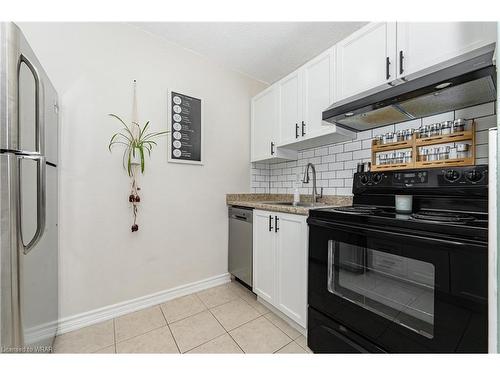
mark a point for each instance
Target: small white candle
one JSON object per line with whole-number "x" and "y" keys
{"x": 404, "y": 204}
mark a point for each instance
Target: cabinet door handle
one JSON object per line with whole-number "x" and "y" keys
{"x": 276, "y": 228}
{"x": 387, "y": 67}
{"x": 401, "y": 58}
{"x": 303, "y": 128}
{"x": 272, "y": 148}
{"x": 296, "y": 130}
{"x": 270, "y": 223}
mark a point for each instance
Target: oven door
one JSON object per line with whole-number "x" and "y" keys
{"x": 404, "y": 293}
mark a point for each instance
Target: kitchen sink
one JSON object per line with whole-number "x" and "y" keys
{"x": 300, "y": 204}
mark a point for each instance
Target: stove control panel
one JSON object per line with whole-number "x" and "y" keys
{"x": 441, "y": 181}
{"x": 411, "y": 177}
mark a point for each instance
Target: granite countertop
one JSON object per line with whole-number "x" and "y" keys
{"x": 265, "y": 202}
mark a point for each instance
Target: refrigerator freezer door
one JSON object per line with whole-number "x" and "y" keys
{"x": 22, "y": 101}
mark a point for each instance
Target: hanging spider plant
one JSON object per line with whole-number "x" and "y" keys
{"x": 137, "y": 142}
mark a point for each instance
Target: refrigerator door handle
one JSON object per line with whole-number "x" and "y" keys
{"x": 41, "y": 200}
{"x": 39, "y": 124}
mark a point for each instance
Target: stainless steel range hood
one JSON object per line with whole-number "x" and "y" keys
{"x": 459, "y": 86}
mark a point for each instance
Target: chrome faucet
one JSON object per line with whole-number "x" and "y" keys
{"x": 315, "y": 195}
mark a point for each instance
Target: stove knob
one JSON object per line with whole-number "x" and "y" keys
{"x": 364, "y": 179}
{"x": 474, "y": 176}
{"x": 452, "y": 175}
{"x": 376, "y": 178}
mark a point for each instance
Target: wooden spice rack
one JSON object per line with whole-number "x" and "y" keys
{"x": 415, "y": 143}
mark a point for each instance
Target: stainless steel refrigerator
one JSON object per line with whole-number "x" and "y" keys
{"x": 28, "y": 198}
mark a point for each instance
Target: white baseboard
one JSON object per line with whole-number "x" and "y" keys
{"x": 102, "y": 314}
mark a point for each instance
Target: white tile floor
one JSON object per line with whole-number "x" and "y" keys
{"x": 224, "y": 319}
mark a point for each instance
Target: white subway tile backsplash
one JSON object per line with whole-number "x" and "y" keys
{"x": 482, "y": 137}
{"x": 356, "y": 145}
{"x": 308, "y": 154}
{"x": 335, "y": 149}
{"x": 351, "y": 164}
{"x": 328, "y": 159}
{"x": 315, "y": 160}
{"x": 344, "y": 191}
{"x": 364, "y": 135}
{"x": 329, "y": 191}
{"x": 329, "y": 175}
{"x": 362, "y": 154}
{"x": 346, "y": 173}
{"x": 412, "y": 124}
{"x": 448, "y": 116}
{"x": 382, "y": 130}
{"x": 367, "y": 143}
{"x": 336, "y": 183}
{"x": 482, "y": 151}
{"x": 482, "y": 110}
{"x": 336, "y": 164}
{"x": 321, "y": 151}
{"x": 344, "y": 156}
{"x": 322, "y": 167}
{"x": 485, "y": 123}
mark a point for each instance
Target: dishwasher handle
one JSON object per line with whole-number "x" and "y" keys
{"x": 242, "y": 214}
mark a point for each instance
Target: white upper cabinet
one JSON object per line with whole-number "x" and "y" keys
{"x": 366, "y": 59}
{"x": 422, "y": 46}
{"x": 304, "y": 95}
{"x": 290, "y": 107}
{"x": 264, "y": 115}
{"x": 265, "y": 127}
{"x": 318, "y": 84}
{"x": 288, "y": 116}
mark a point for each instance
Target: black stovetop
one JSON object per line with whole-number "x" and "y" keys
{"x": 451, "y": 202}
{"x": 467, "y": 226}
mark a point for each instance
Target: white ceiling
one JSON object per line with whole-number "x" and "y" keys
{"x": 266, "y": 51}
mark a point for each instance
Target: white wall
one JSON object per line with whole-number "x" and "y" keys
{"x": 182, "y": 215}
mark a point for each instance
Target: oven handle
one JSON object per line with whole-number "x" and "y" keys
{"x": 331, "y": 275}
{"x": 359, "y": 230}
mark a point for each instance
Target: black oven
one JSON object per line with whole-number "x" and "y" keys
{"x": 399, "y": 292}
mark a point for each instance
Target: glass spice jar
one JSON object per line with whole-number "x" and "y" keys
{"x": 458, "y": 125}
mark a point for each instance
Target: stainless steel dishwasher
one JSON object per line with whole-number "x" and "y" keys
{"x": 241, "y": 243}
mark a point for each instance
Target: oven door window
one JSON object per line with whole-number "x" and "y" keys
{"x": 395, "y": 287}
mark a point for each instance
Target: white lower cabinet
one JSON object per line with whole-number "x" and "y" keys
{"x": 280, "y": 262}
{"x": 264, "y": 255}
